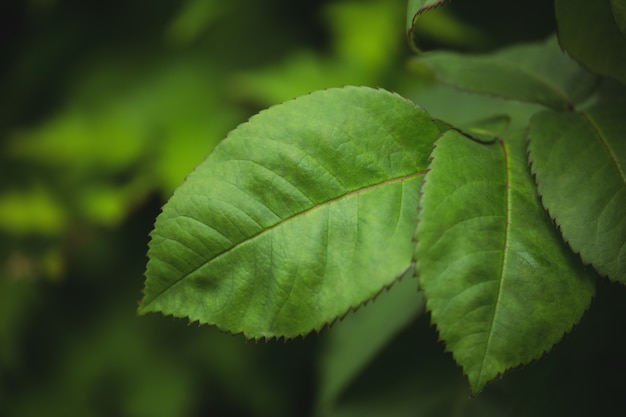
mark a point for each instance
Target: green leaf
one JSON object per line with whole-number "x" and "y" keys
{"x": 415, "y": 8}
{"x": 300, "y": 215}
{"x": 535, "y": 73}
{"x": 501, "y": 285}
{"x": 588, "y": 31}
{"x": 579, "y": 161}
{"x": 467, "y": 110}
{"x": 352, "y": 343}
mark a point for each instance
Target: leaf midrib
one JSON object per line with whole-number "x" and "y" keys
{"x": 504, "y": 258}
{"x": 605, "y": 143}
{"x": 281, "y": 222}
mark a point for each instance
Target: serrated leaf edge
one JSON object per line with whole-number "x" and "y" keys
{"x": 270, "y": 338}
{"x": 428, "y": 309}
{"x": 142, "y": 308}
{"x": 553, "y": 218}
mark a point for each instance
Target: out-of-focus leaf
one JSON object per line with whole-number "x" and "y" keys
{"x": 365, "y": 34}
{"x": 588, "y": 31}
{"x": 352, "y": 343}
{"x": 107, "y": 204}
{"x": 470, "y": 111}
{"x": 535, "y": 73}
{"x": 579, "y": 160}
{"x": 123, "y": 135}
{"x": 618, "y": 10}
{"x": 412, "y": 376}
{"x": 442, "y": 27}
{"x": 364, "y": 46}
{"x": 172, "y": 115}
{"x": 298, "y": 216}
{"x": 35, "y": 211}
{"x": 193, "y": 19}
{"x": 299, "y": 74}
{"x": 415, "y": 8}
{"x": 500, "y": 283}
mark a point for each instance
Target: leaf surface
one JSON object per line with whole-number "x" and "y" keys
{"x": 579, "y": 160}
{"x": 463, "y": 109}
{"x": 501, "y": 285}
{"x": 537, "y": 73}
{"x": 589, "y": 32}
{"x": 301, "y": 214}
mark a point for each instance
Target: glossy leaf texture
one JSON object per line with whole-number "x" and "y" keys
{"x": 579, "y": 161}
{"x": 589, "y": 31}
{"x": 415, "y": 9}
{"x": 501, "y": 285}
{"x": 535, "y": 73}
{"x": 300, "y": 215}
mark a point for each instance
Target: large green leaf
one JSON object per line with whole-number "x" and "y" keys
{"x": 298, "y": 216}
{"x": 589, "y": 32}
{"x": 501, "y": 285}
{"x": 579, "y": 161}
{"x": 535, "y": 73}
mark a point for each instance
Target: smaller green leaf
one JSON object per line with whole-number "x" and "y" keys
{"x": 589, "y": 31}
{"x": 536, "y": 73}
{"x": 415, "y": 8}
{"x": 579, "y": 161}
{"x": 467, "y": 111}
{"x": 501, "y": 285}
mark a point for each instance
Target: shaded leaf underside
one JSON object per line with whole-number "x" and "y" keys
{"x": 538, "y": 73}
{"x": 298, "y": 216}
{"x": 501, "y": 285}
{"x": 590, "y": 31}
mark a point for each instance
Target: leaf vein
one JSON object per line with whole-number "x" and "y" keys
{"x": 604, "y": 141}
{"x": 507, "y": 222}
{"x": 283, "y": 221}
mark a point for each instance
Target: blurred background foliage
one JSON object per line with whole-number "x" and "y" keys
{"x": 106, "y": 106}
